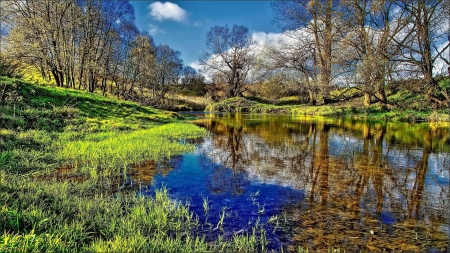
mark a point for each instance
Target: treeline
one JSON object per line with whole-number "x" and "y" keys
{"x": 365, "y": 43}
{"x": 328, "y": 45}
{"x": 92, "y": 45}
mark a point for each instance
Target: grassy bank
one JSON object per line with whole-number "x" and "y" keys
{"x": 240, "y": 104}
{"x": 404, "y": 107}
{"x": 44, "y": 129}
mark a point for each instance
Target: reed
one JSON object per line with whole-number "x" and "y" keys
{"x": 67, "y": 217}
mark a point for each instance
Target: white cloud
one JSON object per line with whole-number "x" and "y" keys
{"x": 162, "y": 11}
{"x": 197, "y": 23}
{"x": 195, "y": 65}
{"x": 261, "y": 38}
{"x": 154, "y": 29}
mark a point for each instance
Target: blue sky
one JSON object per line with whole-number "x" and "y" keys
{"x": 182, "y": 25}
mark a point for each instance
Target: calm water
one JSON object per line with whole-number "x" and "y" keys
{"x": 315, "y": 183}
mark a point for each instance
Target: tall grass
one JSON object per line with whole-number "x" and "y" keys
{"x": 63, "y": 217}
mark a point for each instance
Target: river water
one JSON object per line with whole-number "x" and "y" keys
{"x": 315, "y": 183}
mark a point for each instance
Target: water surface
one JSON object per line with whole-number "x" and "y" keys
{"x": 315, "y": 183}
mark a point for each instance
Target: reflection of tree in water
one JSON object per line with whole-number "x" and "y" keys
{"x": 366, "y": 183}
{"x": 238, "y": 157}
{"x": 358, "y": 218}
{"x": 144, "y": 173}
{"x": 230, "y": 176}
{"x": 223, "y": 180}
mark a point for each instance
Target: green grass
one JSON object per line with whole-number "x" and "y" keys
{"x": 63, "y": 217}
{"x": 116, "y": 150}
{"x": 239, "y": 104}
{"x": 404, "y": 107}
{"x": 44, "y": 128}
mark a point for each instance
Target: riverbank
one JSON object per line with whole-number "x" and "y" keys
{"x": 65, "y": 161}
{"x": 404, "y": 108}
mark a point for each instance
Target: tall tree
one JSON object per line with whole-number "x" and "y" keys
{"x": 229, "y": 53}
{"x": 76, "y": 40}
{"x": 367, "y": 43}
{"x": 141, "y": 69}
{"x": 317, "y": 16}
{"x": 100, "y": 27}
{"x": 168, "y": 71}
{"x": 429, "y": 42}
{"x": 294, "y": 52}
{"x": 39, "y": 34}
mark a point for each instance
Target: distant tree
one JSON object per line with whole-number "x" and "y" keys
{"x": 193, "y": 81}
{"x": 140, "y": 66}
{"x": 294, "y": 53}
{"x": 120, "y": 64}
{"x": 167, "y": 71}
{"x": 281, "y": 83}
{"x": 229, "y": 53}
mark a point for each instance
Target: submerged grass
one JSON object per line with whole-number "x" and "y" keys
{"x": 59, "y": 217}
{"x": 44, "y": 128}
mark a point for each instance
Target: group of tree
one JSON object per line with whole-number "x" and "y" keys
{"x": 89, "y": 44}
{"x": 363, "y": 44}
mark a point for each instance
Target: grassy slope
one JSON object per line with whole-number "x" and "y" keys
{"x": 405, "y": 106}
{"x": 43, "y": 128}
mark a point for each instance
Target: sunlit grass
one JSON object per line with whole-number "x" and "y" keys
{"x": 50, "y": 127}
{"x": 403, "y": 106}
{"x": 115, "y": 150}
{"x": 63, "y": 217}
{"x": 239, "y": 104}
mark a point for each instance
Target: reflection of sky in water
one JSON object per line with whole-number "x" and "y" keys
{"x": 196, "y": 178}
{"x": 258, "y": 184}
{"x": 438, "y": 170}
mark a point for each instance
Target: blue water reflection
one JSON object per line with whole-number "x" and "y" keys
{"x": 195, "y": 179}
{"x": 355, "y": 185}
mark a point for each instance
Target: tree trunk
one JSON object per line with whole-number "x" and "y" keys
{"x": 312, "y": 99}
{"x": 366, "y": 99}
{"x": 59, "y": 78}
{"x": 382, "y": 95}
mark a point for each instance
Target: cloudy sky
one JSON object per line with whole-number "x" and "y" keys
{"x": 182, "y": 25}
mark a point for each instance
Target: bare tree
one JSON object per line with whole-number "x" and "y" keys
{"x": 39, "y": 34}
{"x": 428, "y": 43}
{"x": 139, "y": 68}
{"x": 100, "y": 27}
{"x": 317, "y": 16}
{"x": 294, "y": 52}
{"x": 168, "y": 71}
{"x": 229, "y": 53}
{"x": 368, "y": 44}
